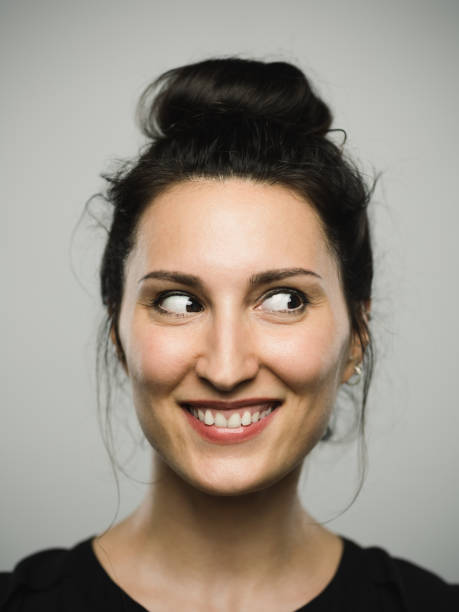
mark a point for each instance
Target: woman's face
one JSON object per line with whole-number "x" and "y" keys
{"x": 231, "y": 334}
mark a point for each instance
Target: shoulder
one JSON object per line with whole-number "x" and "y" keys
{"x": 415, "y": 587}
{"x": 39, "y": 580}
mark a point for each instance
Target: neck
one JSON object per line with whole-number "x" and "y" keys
{"x": 233, "y": 537}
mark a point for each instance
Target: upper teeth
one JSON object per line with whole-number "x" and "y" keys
{"x": 235, "y": 420}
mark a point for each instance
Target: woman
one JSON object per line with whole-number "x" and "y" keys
{"x": 237, "y": 281}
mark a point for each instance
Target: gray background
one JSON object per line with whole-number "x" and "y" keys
{"x": 71, "y": 74}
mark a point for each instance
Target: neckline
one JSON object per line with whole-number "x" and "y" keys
{"x": 117, "y": 595}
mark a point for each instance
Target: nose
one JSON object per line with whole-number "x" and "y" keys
{"x": 228, "y": 357}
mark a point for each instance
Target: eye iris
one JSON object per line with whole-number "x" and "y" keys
{"x": 295, "y": 298}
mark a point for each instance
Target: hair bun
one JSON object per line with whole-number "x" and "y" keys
{"x": 184, "y": 97}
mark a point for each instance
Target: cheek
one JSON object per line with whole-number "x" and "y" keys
{"x": 158, "y": 358}
{"x": 310, "y": 358}
{"x": 157, "y": 361}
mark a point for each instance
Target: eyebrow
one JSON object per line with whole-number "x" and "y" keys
{"x": 261, "y": 278}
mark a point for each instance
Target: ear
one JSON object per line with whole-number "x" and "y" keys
{"x": 357, "y": 345}
{"x": 114, "y": 336}
{"x": 355, "y": 356}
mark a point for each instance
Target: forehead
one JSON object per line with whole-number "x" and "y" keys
{"x": 230, "y": 224}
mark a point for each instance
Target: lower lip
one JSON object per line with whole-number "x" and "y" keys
{"x": 227, "y": 435}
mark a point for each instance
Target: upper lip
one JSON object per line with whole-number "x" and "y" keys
{"x": 222, "y": 405}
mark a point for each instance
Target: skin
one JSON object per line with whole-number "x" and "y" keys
{"x": 219, "y": 522}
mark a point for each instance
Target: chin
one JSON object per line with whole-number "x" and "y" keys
{"x": 228, "y": 490}
{"x": 228, "y": 483}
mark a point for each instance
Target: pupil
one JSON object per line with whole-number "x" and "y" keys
{"x": 293, "y": 299}
{"x": 189, "y": 306}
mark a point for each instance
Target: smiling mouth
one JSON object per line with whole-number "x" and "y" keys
{"x": 232, "y": 419}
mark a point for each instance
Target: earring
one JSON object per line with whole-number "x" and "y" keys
{"x": 356, "y": 377}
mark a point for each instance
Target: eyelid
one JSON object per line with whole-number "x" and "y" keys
{"x": 275, "y": 290}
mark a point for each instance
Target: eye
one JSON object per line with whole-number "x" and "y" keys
{"x": 176, "y": 304}
{"x": 281, "y": 301}
{"x": 286, "y": 301}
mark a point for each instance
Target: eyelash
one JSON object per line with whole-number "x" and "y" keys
{"x": 165, "y": 294}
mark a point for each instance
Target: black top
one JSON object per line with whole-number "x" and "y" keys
{"x": 367, "y": 580}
